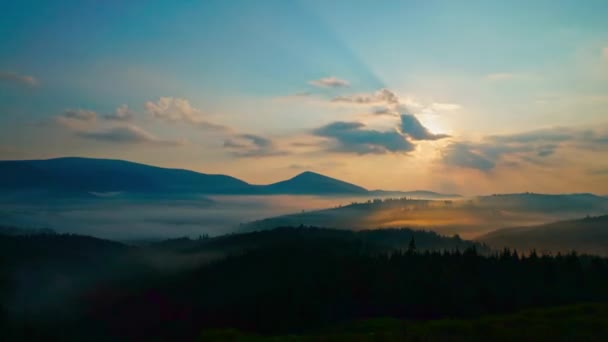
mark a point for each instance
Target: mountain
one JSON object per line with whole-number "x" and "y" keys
{"x": 86, "y": 175}
{"x": 314, "y": 183}
{"x": 588, "y": 235}
{"x": 89, "y": 177}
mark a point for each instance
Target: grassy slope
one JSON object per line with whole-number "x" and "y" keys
{"x": 582, "y": 322}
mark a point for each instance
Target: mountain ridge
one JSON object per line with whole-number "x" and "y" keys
{"x": 85, "y": 176}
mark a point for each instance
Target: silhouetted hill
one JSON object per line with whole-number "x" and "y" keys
{"x": 314, "y": 183}
{"x": 105, "y": 175}
{"x": 589, "y": 235}
{"x": 90, "y": 177}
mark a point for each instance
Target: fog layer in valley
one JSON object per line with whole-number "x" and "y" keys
{"x": 133, "y": 219}
{"x": 125, "y": 218}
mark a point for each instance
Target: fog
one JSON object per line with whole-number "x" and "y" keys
{"x": 135, "y": 219}
{"x": 129, "y": 218}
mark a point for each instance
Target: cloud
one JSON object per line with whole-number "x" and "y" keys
{"x": 15, "y": 78}
{"x": 605, "y": 53}
{"x": 412, "y": 127}
{"x": 127, "y": 135}
{"x": 530, "y": 147}
{"x": 381, "y": 96}
{"x": 329, "y": 82}
{"x": 323, "y": 165}
{"x": 76, "y": 118}
{"x": 300, "y": 167}
{"x": 384, "y": 111}
{"x": 464, "y": 155}
{"x": 251, "y": 145}
{"x": 353, "y": 137}
{"x": 80, "y": 114}
{"x": 173, "y": 109}
{"x": 445, "y": 107}
{"x": 122, "y": 113}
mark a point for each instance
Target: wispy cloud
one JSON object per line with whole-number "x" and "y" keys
{"x": 15, "y": 78}
{"x": 127, "y": 135}
{"x": 173, "y": 109}
{"x": 80, "y": 114}
{"x": 122, "y": 113}
{"x": 381, "y": 96}
{"x": 605, "y": 53}
{"x": 76, "y": 118}
{"x": 529, "y": 147}
{"x": 251, "y": 145}
{"x": 445, "y": 107}
{"x": 330, "y": 82}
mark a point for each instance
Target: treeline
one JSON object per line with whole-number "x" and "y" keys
{"x": 294, "y": 280}
{"x": 302, "y": 286}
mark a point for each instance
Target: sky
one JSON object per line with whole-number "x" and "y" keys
{"x": 473, "y": 97}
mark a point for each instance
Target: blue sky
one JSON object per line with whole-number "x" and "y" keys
{"x": 248, "y": 85}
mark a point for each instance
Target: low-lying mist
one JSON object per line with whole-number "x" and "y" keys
{"x": 139, "y": 218}
{"x": 135, "y": 219}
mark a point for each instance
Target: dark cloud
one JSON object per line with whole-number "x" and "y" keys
{"x": 414, "y": 129}
{"x": 126, "y": 135}
{"x": 251, "y": 145}
{"x": 352, "y": 137}
{"x": 15, "y": 78}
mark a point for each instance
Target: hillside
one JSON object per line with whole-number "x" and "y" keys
{"x": 588, "y": 235}
{"x": 105, "y": 175}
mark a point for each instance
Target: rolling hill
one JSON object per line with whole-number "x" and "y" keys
{"x": 588, "y": 235}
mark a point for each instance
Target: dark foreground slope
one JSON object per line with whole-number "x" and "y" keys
{"x": 588, "y": 235}
{"x": 283, "y": 281}
{"x": 582, "y": 322}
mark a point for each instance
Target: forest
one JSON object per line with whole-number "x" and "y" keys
{"x": 286, "y": 281}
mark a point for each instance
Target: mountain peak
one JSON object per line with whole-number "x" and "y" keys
{"x": 309, "y": 182}
{"x": 309, "y": 174}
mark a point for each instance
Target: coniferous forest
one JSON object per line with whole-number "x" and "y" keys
{"x": 287, "y": 281}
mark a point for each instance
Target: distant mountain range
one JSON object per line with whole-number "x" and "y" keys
{"x": 588, "y": 235}
{"x": 105, "y": 177}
